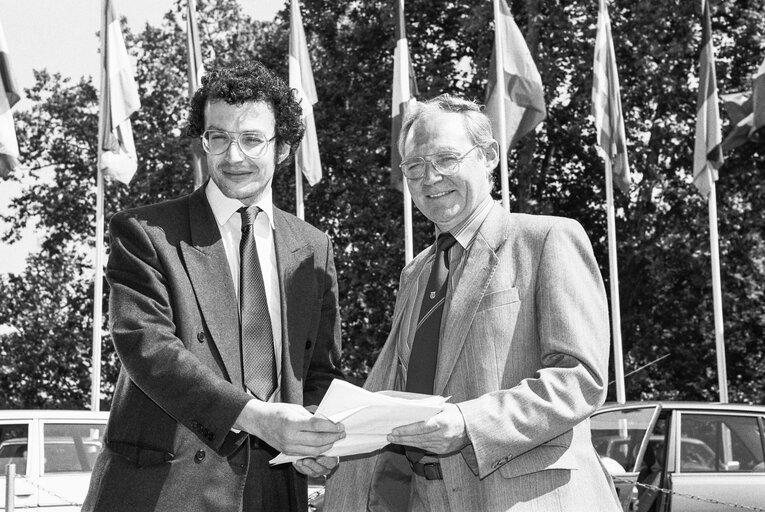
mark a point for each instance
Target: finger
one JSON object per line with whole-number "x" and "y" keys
{"x": 415, "y": 429}
{"x": 317, "y": 424}
{"x": 327, "y": 462}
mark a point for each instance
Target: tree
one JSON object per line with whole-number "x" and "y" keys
{"x": 661, "y": 227}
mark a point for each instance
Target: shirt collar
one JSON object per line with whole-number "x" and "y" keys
{"x": 466, "y": 230}
{"x": 224, "y": 207}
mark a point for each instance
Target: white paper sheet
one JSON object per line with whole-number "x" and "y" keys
{"x": 369, "y": 417}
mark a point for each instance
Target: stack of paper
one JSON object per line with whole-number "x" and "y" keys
{"x": 369, "y": 417}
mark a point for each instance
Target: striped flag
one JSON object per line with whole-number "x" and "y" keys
{"x": 404, "y": 92}
{"x": 9, "y": 96}
{"x": 607, "y": 103}
{"x": 707, "y": 153}
{"x": 521, "y": 96}
{"x": 119, "y": 99}
{"x": 195, "y": 72}
{"x": 301, "y": 79}
{"x": 758, "y": 105}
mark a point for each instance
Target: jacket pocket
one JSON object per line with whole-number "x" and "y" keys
{"x": 140, "y": 455}
{"x": 499, "y": 298}
{"x": 541, "y": 458}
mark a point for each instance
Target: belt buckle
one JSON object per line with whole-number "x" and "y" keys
{"x": 432, "y": 471}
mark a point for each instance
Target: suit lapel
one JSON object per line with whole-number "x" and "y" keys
{"x": 468, "y": 294}
{"x": 209, "y": 273}
{"x": 294, "y": 259}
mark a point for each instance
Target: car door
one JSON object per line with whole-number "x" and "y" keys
{"x": 15, "y": 448}
{"x": 718, "y": 456}
{"x": 620, "y": 436}
{"x": 69, "y": 451}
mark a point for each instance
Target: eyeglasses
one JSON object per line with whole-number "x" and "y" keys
{"x": 446, "y": 164}
{"x": 251, "y": 144}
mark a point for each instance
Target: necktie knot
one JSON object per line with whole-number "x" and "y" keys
{"x": 249, "y": 214}
{"x": 444, "y": 242}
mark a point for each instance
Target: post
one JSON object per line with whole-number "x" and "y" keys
{"x": 10, "y": 486}
{"x": 613, "y": 273}
{"x": 95, "y": 384}
{"x": 299, "y": 210}
{"x": 722, "y": 373}
{"x": 502, "y": 136}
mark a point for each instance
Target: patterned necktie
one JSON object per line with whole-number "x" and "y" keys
{"x": 421, "y": 372}
{"x": 257, "y": 339}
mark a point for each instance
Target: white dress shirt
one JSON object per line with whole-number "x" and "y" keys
{"x": 230, "y": 224}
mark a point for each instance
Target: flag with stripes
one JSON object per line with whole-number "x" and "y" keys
{"x": 707, "y": 152}
{"x": 9, "y": 96}
{"x": 119, "y": 99}
{"x": 301, "y": 78}
{"x": 520, "y": 95}
{"x": 195, "y": 72}
{"x": 404, "y": 92}
{"x": 607, "y": 103}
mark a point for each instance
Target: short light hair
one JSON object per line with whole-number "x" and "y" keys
{"x": 477, "y": 123}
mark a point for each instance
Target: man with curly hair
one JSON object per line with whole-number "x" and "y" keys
{"x": 224, "y": 314}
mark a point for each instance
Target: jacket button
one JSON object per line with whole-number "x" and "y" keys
{"x": 201, "y": 338}
{"x": 199, "y": 456}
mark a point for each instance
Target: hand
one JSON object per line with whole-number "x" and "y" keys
{"x": 289, "y": 428}
{"x": 316, "y": 467}
{"x": 443, "y": 433}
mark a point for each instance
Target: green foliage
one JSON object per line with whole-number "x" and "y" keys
{"x": 662, "y": 227}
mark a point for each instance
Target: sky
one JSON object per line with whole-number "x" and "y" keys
{"x": 60, "y": 36}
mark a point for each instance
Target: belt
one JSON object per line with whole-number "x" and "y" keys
{"x": 429, "y": 470}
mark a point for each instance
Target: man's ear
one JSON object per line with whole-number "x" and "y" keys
{"x": 491, "y": 153}
{"x": 282, "y": 152}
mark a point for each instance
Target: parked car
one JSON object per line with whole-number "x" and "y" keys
{"x": 54, "y": 452}
{"x": 683, "y": 456}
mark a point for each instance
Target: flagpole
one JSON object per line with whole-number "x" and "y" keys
{"x": 95, "y": 386}
{"x": 722, "y": 372}
{"x": 299, "y": 193}
{"x": 613, "y": 273}
{"x": 499, "y": 64}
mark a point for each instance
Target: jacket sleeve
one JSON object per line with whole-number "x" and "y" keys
{"x": 324, "y": 365}
{"x": 573, "y": 337}
{"x": 143, "y": 328}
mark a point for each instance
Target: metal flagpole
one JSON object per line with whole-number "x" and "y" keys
{"x": 722, "y": 372}
{"x": 95, "y": 386}
{"x": 613, "y": 273}
{"x": 299, "y": 211}
{"x": 500, "y": 73}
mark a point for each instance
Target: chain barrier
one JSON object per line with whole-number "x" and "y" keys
{"x": 65, "y": 501}
{"x": 689, "y": 496}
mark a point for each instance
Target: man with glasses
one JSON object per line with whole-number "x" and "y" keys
{"x": 224, "y": 314}
{"x": 506, "y": 315}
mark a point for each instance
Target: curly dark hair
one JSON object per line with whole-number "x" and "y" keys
{"x": 249, "y": 81}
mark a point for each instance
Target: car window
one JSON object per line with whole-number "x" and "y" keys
{"x": 618, "y": 436}
{"x": 721, "y": 443}
{"x": 13, "y": 447}
{"x": 71, "y": 447}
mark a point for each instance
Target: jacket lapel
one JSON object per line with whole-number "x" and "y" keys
{"x": 209, "y": 273}
{"x": 468, "y": 294}
{"x": 294, "y": 259}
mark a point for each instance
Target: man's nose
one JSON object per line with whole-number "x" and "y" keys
{"x": 431, "y": 174}
{"x": 233, "y": 153}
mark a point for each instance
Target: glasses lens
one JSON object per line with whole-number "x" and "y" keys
{"x": 414, "y": 168}
{"x": 215, "y": 141}
{"x": 446, "y": 163}
{"x": 253, "y": 144}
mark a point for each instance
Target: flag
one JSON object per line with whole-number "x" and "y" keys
{"x": 758, "y": 104}
{"x": 707, "y": 153}
{"x": 746, "y": 112}
{"x": 119, "y": 99}
{"x": 404, "y": 92}
{"x": 195, "y": 72}
{"x": 301, "y": 79}
{"x": 9, "y": 96}
{"x": 607, "y": 103}
{"x": 521, "y": 91}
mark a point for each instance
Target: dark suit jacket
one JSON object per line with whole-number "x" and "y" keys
{"x": 174, "y": 320}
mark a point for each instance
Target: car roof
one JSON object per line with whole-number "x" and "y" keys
{"x": 52, "y": 414}
{"x": 685, "y": 406}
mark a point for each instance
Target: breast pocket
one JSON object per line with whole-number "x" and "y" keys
{"x": 499, "y": 298}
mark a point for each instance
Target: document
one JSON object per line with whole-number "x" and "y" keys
{"x": 369, "y": 417}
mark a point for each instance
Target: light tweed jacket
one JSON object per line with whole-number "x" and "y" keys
{"x": 524, "y": 354}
